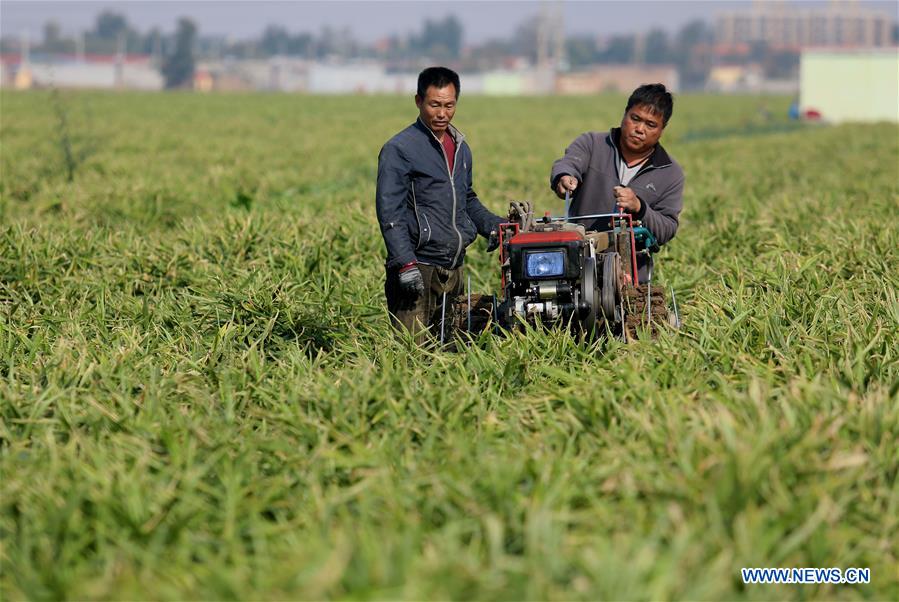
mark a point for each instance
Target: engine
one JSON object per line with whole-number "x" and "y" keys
{"x": 545, "y": 269}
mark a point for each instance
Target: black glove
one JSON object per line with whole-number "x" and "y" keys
{"x": 411, "y": 281}
{"x": 492, "y": 241}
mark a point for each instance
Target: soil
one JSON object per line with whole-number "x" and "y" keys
{"x": 635, "y": 318}
{"x": 635, "y": 323}
{"x": 481, "y": 313}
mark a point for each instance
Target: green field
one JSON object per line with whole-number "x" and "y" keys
{"x": 200, "y": 397}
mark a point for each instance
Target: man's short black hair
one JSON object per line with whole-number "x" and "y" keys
{"x": 439, "y": 77}
{"x": 654, "y": 96}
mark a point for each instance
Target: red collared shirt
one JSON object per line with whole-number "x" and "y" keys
{"x": 449, "y": 148}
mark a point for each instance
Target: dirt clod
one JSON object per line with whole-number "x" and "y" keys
{"x": 635, "y": 311}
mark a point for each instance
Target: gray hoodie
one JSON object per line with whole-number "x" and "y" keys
{"x": 593, "y": 159}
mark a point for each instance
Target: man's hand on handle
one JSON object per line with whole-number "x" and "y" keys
{"x": 566, "y": 183}
{"x": 627, "y": 199}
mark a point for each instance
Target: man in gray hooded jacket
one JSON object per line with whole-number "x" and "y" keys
{"x": 626, "y": 169}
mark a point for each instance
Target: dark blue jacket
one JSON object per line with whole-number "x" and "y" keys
{"x": 426, "y": 213}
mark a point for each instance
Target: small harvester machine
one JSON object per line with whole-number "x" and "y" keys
{"x": 554, "y": 271}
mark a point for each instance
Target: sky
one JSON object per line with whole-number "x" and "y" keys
{"x": 368, "y": 20}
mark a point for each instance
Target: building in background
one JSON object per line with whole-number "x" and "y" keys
{"x": 838, "y": 24}
{"x": 734, "y": 78}
{"x": 616, "y": 78}
{"x": 117, "y": 72}
{"x": 15, "y": 72}
{"x": 131, "y": 72}
{"x": 359, "y": 77}
{"x": 280, "y": 74}
{"x": 850, "y": 85}
{"x": 748, "y": 78}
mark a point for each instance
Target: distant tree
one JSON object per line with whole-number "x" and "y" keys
{"x": 275, "y": 40}
{"x": 489, "y": 54}
{"x": 581, "y": 50}
{"x": 178, "y": 68}
{"x": 346, "y": 44}
{"x": 440, "y": 39}
{"x": 53, "y": 40}
{"x": 691, "y": 53}
{"x": 695, "y": 32}
{"x": 8, "y": 44}
{"x": 243, "y": 49}
{"x": 758, "y": 51}
{"x": 524, "y": 41}
{"x": 152, "y": 42}
{"x": 109, "y": 25}
{"x": 300, "y": 44}
{"x": 51, "y": 33}
{"x": 326, "y": 44}
{"x": 782, "y": 64}
{"x": 620, "y": 50}
{"x": 450, "y": 35}
{"x": 657, "y": 50}
{"x": 111, "y": 30}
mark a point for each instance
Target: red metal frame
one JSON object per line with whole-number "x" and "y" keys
{"x": 630, "y": 226}
{"x": 544, "y": 237}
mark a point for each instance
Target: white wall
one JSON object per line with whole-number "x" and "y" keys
{"x": 860, "y": 85}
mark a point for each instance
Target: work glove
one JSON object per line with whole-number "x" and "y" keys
{"x": 411, "y": 281}
{"x": 521, "y": 213}
{"x": 492, "y": 241}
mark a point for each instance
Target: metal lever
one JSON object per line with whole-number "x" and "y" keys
{"x": 442, "y": 317}
{"x": 469, "y": 304}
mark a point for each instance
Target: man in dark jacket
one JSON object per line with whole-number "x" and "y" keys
{"x": 427, "y": 209}
{"x": 627, "y": 169}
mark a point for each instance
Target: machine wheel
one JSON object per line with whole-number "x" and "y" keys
{"x": 611, "y": 294}
{"x": 589, "y": 296}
